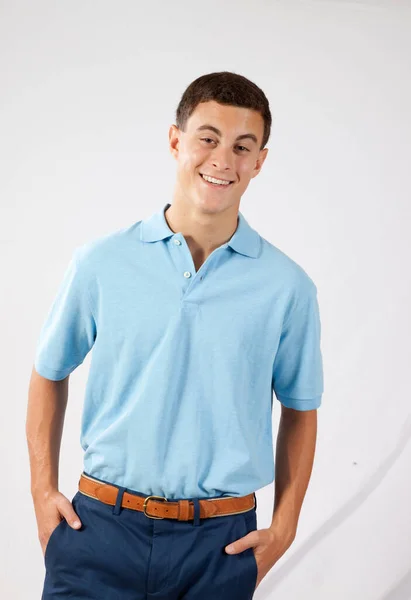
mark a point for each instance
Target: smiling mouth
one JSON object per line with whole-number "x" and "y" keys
{"x": 216, "y": 184}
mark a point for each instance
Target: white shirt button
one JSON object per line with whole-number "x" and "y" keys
{"x": 187, "y": 274}
{"x": 177, "y": 242}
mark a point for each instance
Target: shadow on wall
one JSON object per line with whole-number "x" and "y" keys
{"x": 401, "y": 591}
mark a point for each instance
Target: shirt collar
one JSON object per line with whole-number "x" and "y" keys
{"x": 244, "y": 240}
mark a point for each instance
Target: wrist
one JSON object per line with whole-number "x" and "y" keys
{"x": 43, "y": 492}
{"x": 285, "y": 524}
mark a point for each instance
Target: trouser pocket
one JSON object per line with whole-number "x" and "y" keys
{"x": 250, "y": 524}
{"x": 51, "y": 539}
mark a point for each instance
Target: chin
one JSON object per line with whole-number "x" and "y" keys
{"x": 213, "y": 206}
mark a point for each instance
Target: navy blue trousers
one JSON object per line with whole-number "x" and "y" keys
{"x": 122, "y": 554}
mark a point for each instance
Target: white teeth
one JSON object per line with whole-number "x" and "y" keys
{"x": 213, "y": 180}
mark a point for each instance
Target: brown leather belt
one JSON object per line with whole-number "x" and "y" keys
{"x": 161, "y": 508}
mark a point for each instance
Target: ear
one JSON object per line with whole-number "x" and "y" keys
{"x": 260, "y": 161}
{"x": 174, "y": 139}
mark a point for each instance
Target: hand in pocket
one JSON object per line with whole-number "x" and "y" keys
{"x": 51, "y": 509}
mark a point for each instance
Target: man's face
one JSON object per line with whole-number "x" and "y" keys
{"x": 201, "y": 151}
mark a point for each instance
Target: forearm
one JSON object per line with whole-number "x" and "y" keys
{"x": 47, "y": 401}
{"x": 295, "y": 451}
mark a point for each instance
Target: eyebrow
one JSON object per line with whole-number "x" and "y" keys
{"x": 243, "y": 136}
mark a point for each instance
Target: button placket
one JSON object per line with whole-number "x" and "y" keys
{"x": 191, "y": 273}
{"x": 181, "y": 261}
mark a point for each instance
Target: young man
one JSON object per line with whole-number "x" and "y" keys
{"x": 194, "y": 320}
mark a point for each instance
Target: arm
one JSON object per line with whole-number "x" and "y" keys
{"x": 67, "y": 335}
{"x": 44, "y": 426}
{"x": 47, "y": 401}
{"x": 294, "y": 460}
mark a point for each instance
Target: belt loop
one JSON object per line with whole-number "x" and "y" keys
{"x": 196, "y": 512}
{"x": 119, "y": 499}
{"x": 255, "y": 500}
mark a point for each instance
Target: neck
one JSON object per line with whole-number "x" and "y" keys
{"x": 203, "y": 230}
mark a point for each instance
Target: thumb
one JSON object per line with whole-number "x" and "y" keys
{"x": 70, "y": 515}
{"x": 247, "y": 541}
{"x": 235, "y": 547}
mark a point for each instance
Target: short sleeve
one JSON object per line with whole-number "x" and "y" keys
{"x": 298, "y": 367}
{"x": 69, "y": 330}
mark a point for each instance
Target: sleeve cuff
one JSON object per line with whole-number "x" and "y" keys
{"x": 306, "y": 404}
{"x": 52, "y": 374}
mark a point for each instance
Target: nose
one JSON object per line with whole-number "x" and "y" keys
{"x": 221, "y": 159}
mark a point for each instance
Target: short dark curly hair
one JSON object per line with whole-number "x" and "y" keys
{"x": 224, "y": 87}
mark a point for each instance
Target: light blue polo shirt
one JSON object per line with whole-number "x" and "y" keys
{"x": 178, "y": 400}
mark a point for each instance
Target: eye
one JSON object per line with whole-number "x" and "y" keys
{"x": 211, "y": 140}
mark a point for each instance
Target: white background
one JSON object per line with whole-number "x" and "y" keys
{"x": 88, "y": 92}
